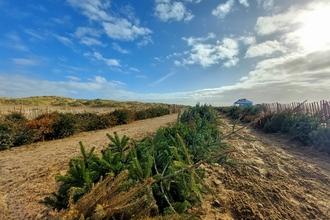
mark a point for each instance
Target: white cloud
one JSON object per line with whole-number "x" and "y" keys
{"x": 244, "y": 2}
{"x": 39, "y": 8}
{"x": 34, "y": 34}
{"x": 265, "y": 49}
{"x": 15, "y": 42}
{"x": 134, "y": 69}
{"x": 83, "y": 31}
{"x": 158, "y": 59}
{"x": 73, "y": 78}
{"x": 93, "y": 9}
{"x": 163, "y": 78}
{"x": 166, "y": 10}
{"x": 232, "y": 62}
{"x": 122, "y": 29}
{"x": 91, "y": 41}
{"x": 25, "y": 62}
{"x": 63, "y": 40}
{"x": 141, "y": 76}
{"x": 266, "y": 4}
{"x": 145, "y": 41}
{"x": 116, "y": 46}
{"x": 248, "y": 40}
{"x": 100, "y": 79}
{"x": 115, "y": 27}
{"x": 193, "y": 1}
{"x": 286, "y": 21}
{"x": 300, "y": 27}
{"x": 109, "y": 62}
{"x": 193, "y": 40}
{"x": 177, "y": 63}
{"x": 210, "y": 54}
{"x": 223, "y": 9}
{"x": 20, "y": 86}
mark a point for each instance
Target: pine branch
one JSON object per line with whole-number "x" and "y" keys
{"x": 193, "y": 166}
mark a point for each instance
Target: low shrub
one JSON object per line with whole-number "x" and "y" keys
{"x": 235, "y": 112}
{"x": 64, "y": 126}
{"x": 39, "y": 128}
{"x": 6, "y": 139}
{"x": 302, "y": 126}
{"x": 124, "y": 116}
{"x": 276, "y": 123}
{"x": 141, "y": 114}
{"x": 262, "y": 119}
{"x": 320, "y": 139}
{"x": 27, "y": 136}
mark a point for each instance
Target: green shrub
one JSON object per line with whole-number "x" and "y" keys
{"x": 124, "y": 116}
{"x": 235, "y": 112}
{"x": 92, "y": 121}
{"x": 276, "y": 123}
{"x": 64, "y": 126}
{"x": 302, "y": 126}
{"x": 141, "y": 115}
{"x": 205, "y": 112}
{"x": 27, "y": 136}
{"x": 6, "y": 139}
{"x": 320, "y": 139}
{"x": 16, "y": 116}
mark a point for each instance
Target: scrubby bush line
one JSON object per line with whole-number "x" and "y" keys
{"x": 169, "y": 161}
{"x": 308, "y": 129}
{"x": 16, "y": 130}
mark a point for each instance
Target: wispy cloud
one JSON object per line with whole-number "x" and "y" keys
{"x": 116, "y": 46}
{"x": 39, "y": 8}
{"x": 158, "y": 59}
{"x": 167, "y": 10}
{"x": 134, "y": 69}
{"x": 15, "y": 42}
{"x": 91, "y": 41}
{"x": 244, "y": 2}
{"x": 19, "y": 86}
{"x": 248, "y": 40}
{"x": 266, "y": 4}
{"x": 193, "y": 40}
{"x": 122, "y": 29}
{"x": 83, "y": 31}
{"x": 265, "y": 49}
{"x": 64, "y": 40}
{"x": 109, "y": 62}
{"x": 25, "y": 62}
{"x": 163, "y": 78}
{"x": 145, "y": 41}
{"x": 222, "y": 10}
{"x": 73, "y": 78}
{"x": 34, "y": 34}
{"x": 141, "y": 76}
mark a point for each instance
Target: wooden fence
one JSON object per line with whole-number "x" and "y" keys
{"x": 34, "y": 112}
{"x": 322, "y": 108}
{"x": 31, "y": 113}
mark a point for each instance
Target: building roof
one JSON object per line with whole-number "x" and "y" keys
{"x": 242, "y": 101}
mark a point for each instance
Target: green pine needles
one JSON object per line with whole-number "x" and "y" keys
{"x": 162, "y": 174}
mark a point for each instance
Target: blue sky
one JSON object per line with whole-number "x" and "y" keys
{"x": 168, "y": 51}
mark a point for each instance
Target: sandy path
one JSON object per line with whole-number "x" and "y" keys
{"x": 283, "y": 181}
{"x": 27, "y": 173}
